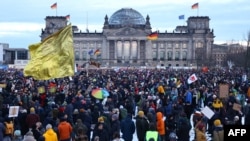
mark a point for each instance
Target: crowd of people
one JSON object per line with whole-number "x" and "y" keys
{"x": 154, "y": 104}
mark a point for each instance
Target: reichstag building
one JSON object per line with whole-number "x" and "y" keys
{"x": 123, "y": 41}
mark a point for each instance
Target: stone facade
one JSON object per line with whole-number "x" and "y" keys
{"x": 123, "y": 41}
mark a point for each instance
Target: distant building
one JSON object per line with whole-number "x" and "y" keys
{"x": 124, "y": 42}
{"x": 13, "y": 57}
{"x": 220, "y": 52}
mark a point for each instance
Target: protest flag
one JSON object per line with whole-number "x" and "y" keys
{"x": 53, "y": 57}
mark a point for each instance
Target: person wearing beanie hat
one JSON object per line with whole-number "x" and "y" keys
{"x": 115, "y": 124}
{"x": 50, "y": 134}
{"x": 32, "y": 110}
{"x": 218, "y": 131}
{"x": 32, "y": 118}
{"x": 141, "y": 114}
{"x": 142, "y": 125}
{"x": 101, "y": 119}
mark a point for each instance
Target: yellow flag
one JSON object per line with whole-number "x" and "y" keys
{"x": 53, "y": 57}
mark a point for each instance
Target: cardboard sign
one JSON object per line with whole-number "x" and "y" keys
{"x": 223, "y": 90}
{"x": 207, "y": 112}
{"x": 13, "y": 111}
{"x": 237, "y": 107}
{"x": 41, "y": 90}
{"x": 2, "y": 85}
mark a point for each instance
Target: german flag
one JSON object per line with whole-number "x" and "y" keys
{"x": 195, "y": 6}
{"x": 97, "y": 52}
{"x": 153, "y": 36}
{"x": 53, "y": 6}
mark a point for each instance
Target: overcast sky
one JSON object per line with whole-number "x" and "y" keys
{"x": 22, "y": 20}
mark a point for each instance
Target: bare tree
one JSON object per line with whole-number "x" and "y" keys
{"x": 247, "y": 62}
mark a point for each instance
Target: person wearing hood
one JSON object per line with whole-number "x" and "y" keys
{"x": 160, "y": 125}
{"x": 218, "y": 132}
{"x": 50, "y": 134}
{"x": 127, "y": 128}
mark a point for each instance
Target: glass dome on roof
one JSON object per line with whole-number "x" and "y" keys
{"x": 126, "y": 16}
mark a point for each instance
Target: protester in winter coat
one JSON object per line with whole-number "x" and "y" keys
{"x": 32, "y": 118}
{"x": 100, "y": 133}
{"x": 50, "y": 134}
{"x": 2, "y": 129}
{"x": 218, "y": 132}
{"x": 152, "y": 133}
{"x": 127, "y": 128}
{"x": 64, "y": 130}
{"x": 29, "y": 137}
{"x": 141, "y": 126}
{"x": 200, "y": 133}
{"x": 115, "y": 124}
{"x": 160, "y": 125}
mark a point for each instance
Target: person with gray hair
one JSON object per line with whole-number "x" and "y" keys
{"x": 50, "y": 134}
{"x": 29, "y": 136}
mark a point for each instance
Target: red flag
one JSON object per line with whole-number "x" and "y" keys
{"x": 53, "y": 6}
{"x": 195, "y": 6}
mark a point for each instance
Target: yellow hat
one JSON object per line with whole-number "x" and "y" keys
{"x": 32, "y": 110}
{"x": 217, "y": 122}
{"x": 141, "y": 113}
{"x": 100, "y": 119}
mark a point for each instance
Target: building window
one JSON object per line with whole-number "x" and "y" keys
{"x": 85, "y": 45}
{"x": 91, "y": 44}
{"x": 162, "y": 55}
{"x": 154, "y": 45}
{"x": 161, "y": 45}
{"x": 154, "y": 56}
{"x": 184, "y": 55}
{"x": 170, "y": 54}
{"x": 22, "y": 55}
{"x": 169, "y": 45}
{"x": 84, "y": 55}
{"x": 199, "y": 45}
{"x": 177, "y": 55}
{"x": 177, "y": 45}
{"x": 77, "y": 55}
{"x": 184, "y": 45}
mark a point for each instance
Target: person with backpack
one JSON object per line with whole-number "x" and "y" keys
{"x": 9, "y": 129}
